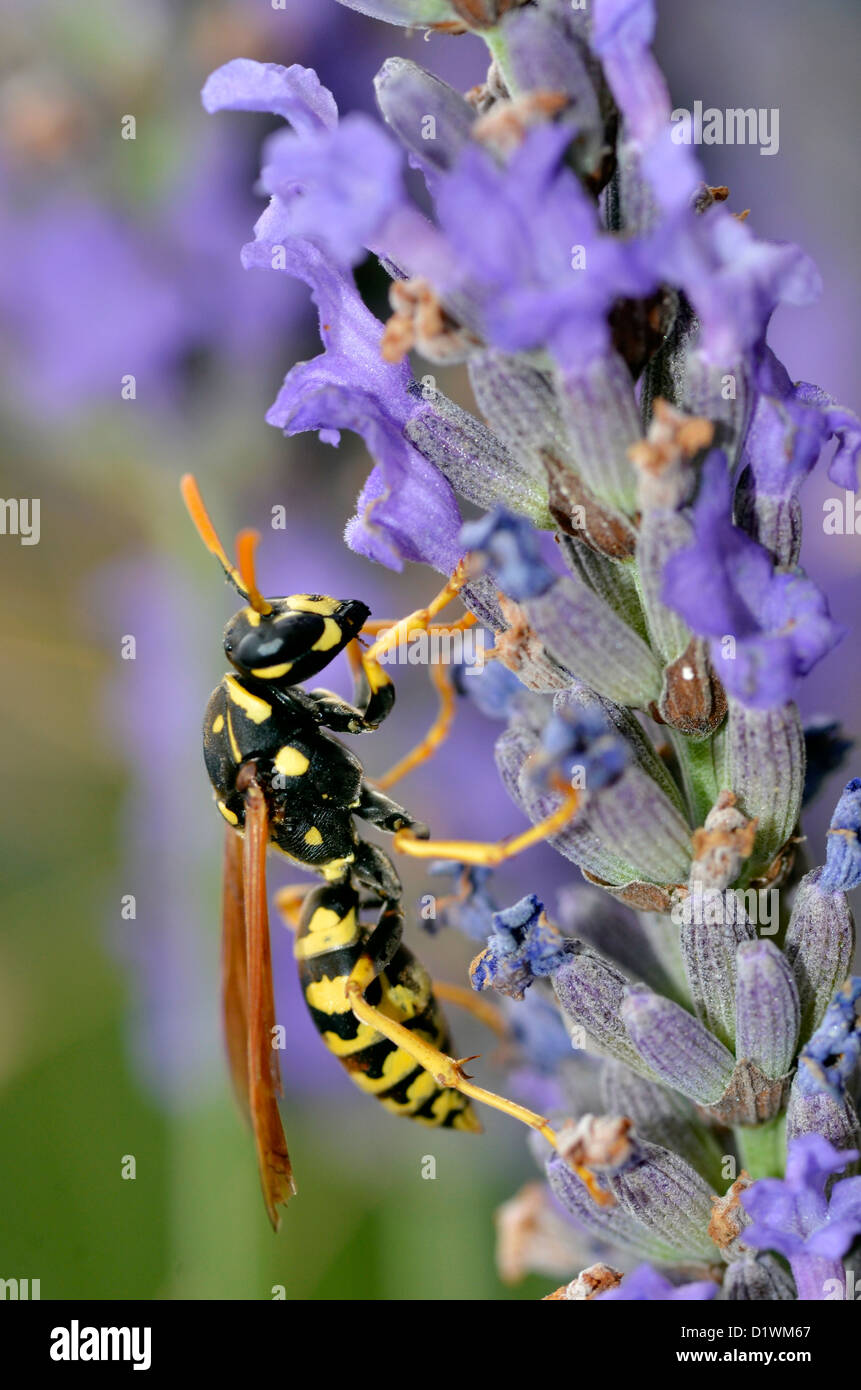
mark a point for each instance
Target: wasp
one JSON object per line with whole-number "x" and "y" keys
{"x": 283, "y": 781}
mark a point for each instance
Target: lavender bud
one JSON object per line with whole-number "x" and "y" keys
{"x": 703, "y": 393}
{"x": 603, "y": 423}
{"x": 661, "y": 1191}
{"x": 676, "y": 1046}
{"x": 407, "y": 95}
{"x": 763, "y": 763}
{"x": 661, "y": 534}
{"x": 615, "y": 933}
{"x": 548, "y": 55}
{"x": 585, "y": 636}
{"x": 830, "y": 1058}
{"x": 615, "y": 581}
{"x": 818, "y": 1112}
{"x": 820, "y": 944}
{"x": 520, "y": 406}
{"x": 477, "y": 465}
{"x": 607, "y": 1224}
{"x": 768, "y": 1011}
{"x": 712, "y": 926}
{"x": 662, "y": 1115}
{"x": 632, "y": 817}
{"x": 758, "y": 1279}
{"x": 590, "y": 993}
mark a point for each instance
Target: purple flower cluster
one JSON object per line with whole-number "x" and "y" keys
{"x": 611, "y": 313}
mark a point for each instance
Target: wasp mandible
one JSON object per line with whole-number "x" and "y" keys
{"x": 283, "y": 781}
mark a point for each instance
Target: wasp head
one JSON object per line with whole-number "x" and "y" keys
{"x": 295, "y": 639}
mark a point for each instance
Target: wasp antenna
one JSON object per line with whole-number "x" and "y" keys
{"x": 246, "y": 544}
{"x": 207, "y": 532}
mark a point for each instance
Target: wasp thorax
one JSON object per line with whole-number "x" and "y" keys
{"x": 293, "y": 641}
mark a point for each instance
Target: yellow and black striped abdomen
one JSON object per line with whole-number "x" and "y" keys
{"x": 329, "y": 942}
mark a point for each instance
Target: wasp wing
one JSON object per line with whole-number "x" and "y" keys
{"x": 234, "y": 968}
{"x": 255, "y": 992}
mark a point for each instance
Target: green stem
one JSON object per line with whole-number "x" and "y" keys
{"x": 763, "y": 1148}
{"x": 697, "y": 758}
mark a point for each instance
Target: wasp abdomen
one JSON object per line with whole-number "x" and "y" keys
{"x": 329, "y": 942}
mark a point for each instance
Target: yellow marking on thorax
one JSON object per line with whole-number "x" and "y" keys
{"x": 272, "y": 673}
{"x": 290, "y": 762}
{"x": 313, "y": 836}
{"x": 328, "y": 996}
{"x": 396, "y": 1066}
{"x": 301, "y": 603}
{"x": 234, "y": 746}
{"x": 251, "y": 616}
{"x": 331, "y": 636}
{"x": 329, "y": 934}
{"x": 229, "y": 816}
{"x": 257, "y": 710}
{"x": 218, "y": 724}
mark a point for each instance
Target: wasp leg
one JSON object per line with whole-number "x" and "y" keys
{"x": 373, "y": 869}
{"x": 436, "y": 734}
{"x": 378, "y": 809}
{"x": 373, "y": 698}
{"x": 482, "y": 1009}
{"x": 420, "y": 620}
{"x": 448, "y": 1071}
{"x": 490, "y": 852}
{"x": 386, "y": 937}
{"x": 289, "y": 902}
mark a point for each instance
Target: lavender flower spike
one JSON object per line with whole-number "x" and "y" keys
{"x": 793, "y": 1216}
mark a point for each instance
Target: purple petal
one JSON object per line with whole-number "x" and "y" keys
{"x": 296, "y": 93}
{"x": 337, "y": 186}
